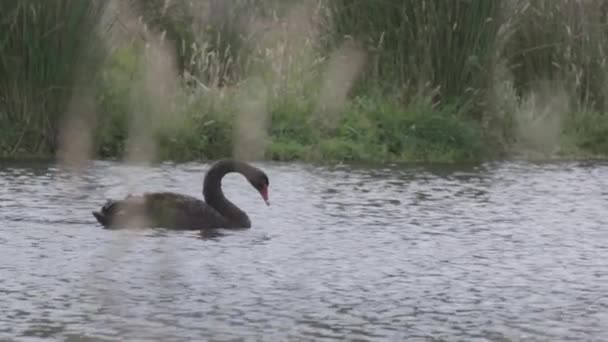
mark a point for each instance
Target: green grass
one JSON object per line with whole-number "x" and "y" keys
{"x": 587, "y": 133}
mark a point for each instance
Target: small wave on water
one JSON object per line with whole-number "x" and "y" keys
{"x": 493, "y": 252}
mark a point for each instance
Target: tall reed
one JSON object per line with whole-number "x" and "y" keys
{"x": 562, "y": 41}
{"x": 441, "y": 46}
{"x": 46, "y": 49}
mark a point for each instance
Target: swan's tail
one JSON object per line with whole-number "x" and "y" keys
{"x": 104, "y": 215}
{"x": 101, "y": 218}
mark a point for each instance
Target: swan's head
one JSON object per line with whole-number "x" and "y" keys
{"x": 260, "y": 182}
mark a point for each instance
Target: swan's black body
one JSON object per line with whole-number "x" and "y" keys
{"x": 182, "y": 212}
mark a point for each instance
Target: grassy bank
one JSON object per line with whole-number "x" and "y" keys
{"x": 203, "y": 123}
{"x": 343, "y": 80}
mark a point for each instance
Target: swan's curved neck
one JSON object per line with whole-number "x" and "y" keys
{"x": 213, "y": 194}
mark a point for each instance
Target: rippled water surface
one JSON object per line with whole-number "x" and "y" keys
{"x": 494, "y": 252}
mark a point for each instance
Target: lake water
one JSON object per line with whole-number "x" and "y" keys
{"x": 510, "y": 251}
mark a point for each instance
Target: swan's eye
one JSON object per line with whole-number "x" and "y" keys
{"x": 259, "y": 181}
{"x": 258, "y": 184}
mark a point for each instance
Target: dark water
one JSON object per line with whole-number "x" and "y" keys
{"x": 497, "y": 252}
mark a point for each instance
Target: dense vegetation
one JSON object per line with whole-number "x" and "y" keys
{"x": 325, "y": 79}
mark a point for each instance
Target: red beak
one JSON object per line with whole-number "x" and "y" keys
{"x": 264, "y": 193}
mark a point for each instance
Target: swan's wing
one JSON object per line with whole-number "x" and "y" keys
{"x": 179, "y": 211}
{"x": 161, "y": 209}
{"x": 119, "y": 213}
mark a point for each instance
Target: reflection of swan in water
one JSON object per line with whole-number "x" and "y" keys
{"x": 182, "y": 212}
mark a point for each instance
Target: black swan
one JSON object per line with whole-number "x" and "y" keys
{"x": 181, "y": 212}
